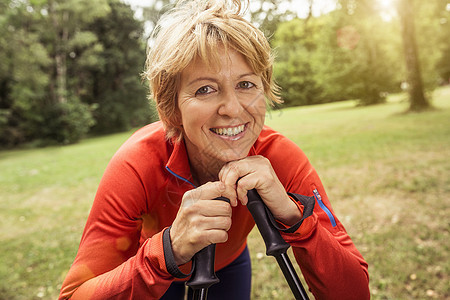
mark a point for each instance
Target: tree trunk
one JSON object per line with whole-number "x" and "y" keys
{"x": 415, "y": 86}
{"x": 61, "y": 39}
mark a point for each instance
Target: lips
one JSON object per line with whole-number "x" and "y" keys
{"x": 228, "y": 131}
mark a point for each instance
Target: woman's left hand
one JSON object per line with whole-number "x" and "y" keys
{"x": 256, "y": 172}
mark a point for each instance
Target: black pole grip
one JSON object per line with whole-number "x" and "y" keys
{"x": 203, "y": 275}
{"x": 275, "y": 244}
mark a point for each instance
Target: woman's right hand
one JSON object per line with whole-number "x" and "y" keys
{"x": 200, "y": 221}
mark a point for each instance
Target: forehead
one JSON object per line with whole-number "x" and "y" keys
{"x": 225, "y": 63}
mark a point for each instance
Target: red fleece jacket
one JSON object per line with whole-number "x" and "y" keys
{"x": 121, "y": 251}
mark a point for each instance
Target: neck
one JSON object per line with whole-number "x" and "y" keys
{"x": 205, "y": 170}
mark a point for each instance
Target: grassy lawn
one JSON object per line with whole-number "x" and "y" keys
{"x": 387, "y": 174}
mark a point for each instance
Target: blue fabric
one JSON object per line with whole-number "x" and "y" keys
{"x": 235, "y": 282}
{"x": 324, "y": 208}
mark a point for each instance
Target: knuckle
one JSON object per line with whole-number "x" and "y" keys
{"x": 225, "y": 206}
{"x": 209, "y": 184}
{"x": 232, "y": 167}
{"x": 197, "y": 221}
{"x": 260, "y": 157}
{"x": 189, "y": 209}
{"x": 267, "y": 177}
{"x": 242, "y": 187}
{"x": 188, "y": 199}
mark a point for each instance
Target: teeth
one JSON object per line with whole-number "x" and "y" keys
{"x": 231, "y": 131}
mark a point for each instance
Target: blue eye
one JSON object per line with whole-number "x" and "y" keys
{"x": 245, "y": 85}
{"x": 204, "y": 90}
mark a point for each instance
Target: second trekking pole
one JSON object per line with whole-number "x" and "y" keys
{"x": 276, "y": 246}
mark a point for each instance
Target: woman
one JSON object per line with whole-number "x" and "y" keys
{"x": 210, "y": 72}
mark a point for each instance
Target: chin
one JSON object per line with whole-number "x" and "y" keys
{"x": 230, "y": 155}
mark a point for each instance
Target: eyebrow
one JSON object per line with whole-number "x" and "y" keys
{"x": 215, "y": 79}
{"x": 202, "y": 79}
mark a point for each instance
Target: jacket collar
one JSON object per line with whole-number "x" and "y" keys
{"x": 178, "y": 163}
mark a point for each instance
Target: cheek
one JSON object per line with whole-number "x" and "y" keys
{"x": 195, "y": 115}
{"x": 257, "y": 108}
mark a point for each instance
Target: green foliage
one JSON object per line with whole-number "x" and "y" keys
{"x": 117, "y": 89}
{"x": 338, "y": 56}
{"x": 67, "y": 66}
{"x": 294, "y": 69}
{"x": 67, "y": 122}
{"x": 433, "y": 31}
{"x": 24, "y": 83}
{"x": 268, "y": 14}
{"x": 354, "y": 53}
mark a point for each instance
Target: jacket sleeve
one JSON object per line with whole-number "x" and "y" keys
{"x": 332, "y": 266}
{"x": 112, "y": 262}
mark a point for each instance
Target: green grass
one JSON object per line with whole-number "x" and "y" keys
{"x": 387, "y": 174}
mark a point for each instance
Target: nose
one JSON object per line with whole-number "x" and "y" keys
{"x": 230, "y": 105}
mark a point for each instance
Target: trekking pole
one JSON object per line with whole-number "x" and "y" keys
{"x": 203, "y": 275}
{"x": 275, "y": 245}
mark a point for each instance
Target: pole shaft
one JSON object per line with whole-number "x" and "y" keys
{"x": 199, "y": 294}
{"x": 291, "y": 276}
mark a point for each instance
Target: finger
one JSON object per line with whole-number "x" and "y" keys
{"x": 216, "y": 223}
{"x": 213, "y": 208}
{"x": 244, "y": 185}
{"x": 215, "y": 236}
{"x": 209, "y": 190}
{"x": 230, "y": 194}
{"x": 231, "y": 174}
{"x": 229, "y": 183}
{"x": 203, "y": 228}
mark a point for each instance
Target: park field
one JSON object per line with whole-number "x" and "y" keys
{"x": 386, "y": 172}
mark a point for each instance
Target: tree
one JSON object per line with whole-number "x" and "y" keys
{"x": 65, "y": 20}
{"x": 23, "y": 77}
{"x": 345, "y": 54}
{"x": 65, "y": 63}
{"x": 268, "y": 14}
{"x": 370, "y": 51}
{"x": 114, "y": 85}
{"x": 152, "y": 13}
{"x": 294, "y": 68}
{"x": 417, "y": 98}
{"x": 432, "y": 19}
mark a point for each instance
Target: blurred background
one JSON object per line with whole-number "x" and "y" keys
{"x": 366, "y": 90}
{"x": 71, "y": 68}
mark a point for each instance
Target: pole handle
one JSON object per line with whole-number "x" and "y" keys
{"x": 275, "y": 244}
{"x": 203, "y": 274}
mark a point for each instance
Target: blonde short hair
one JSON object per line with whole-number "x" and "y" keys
{"x": 196, "y": 29}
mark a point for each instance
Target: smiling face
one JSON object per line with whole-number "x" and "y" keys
{"x": 222, "y": 110}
